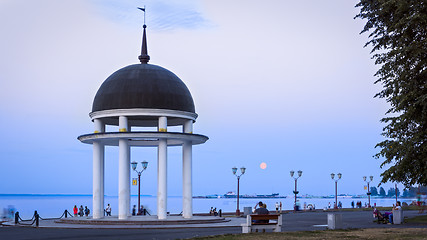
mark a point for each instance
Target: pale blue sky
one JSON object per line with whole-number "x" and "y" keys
{"x": 283, "y": 82}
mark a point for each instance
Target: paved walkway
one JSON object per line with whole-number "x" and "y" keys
{"x": 301, "y": 221}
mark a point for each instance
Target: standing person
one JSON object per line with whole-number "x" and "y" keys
{"x": 81, "y": 211}
{"x": 108, "y": 210}
{"x": 87, "y": 211}
{"x": 419, "y": 199}
{"x": 329, "y": 205}
{"x": 352, "y": 204}
{"x": 134, "y": 210}
{"x": 280, "y": 207}
{"x": 75, "y": 210}
{"x": 277, "y": 207}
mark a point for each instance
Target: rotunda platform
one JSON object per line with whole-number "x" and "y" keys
{"x": 143, "y": 220}
{"x": 148, "y": 139}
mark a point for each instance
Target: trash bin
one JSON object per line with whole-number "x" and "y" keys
{"x": 334, "y": 221}
{"x": 398, "y": 216}
{"x": 247, "y": 211}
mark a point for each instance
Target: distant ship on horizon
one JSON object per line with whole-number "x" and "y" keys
{"x": 232, "y": 194}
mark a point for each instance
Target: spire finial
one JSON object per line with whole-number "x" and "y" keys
{"x": 144, "y": 58}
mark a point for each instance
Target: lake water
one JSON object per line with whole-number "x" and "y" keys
{"x": 54, "y": 206}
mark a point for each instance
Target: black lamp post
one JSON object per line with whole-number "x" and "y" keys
{"x": 242, "y": 170}
{"x": 369, "y": 190}
{"x": 336, "y": 186}
{"x": 296, "y": 179}
{"x": 144, "y": 166}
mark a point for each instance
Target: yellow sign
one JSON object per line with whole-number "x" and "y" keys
{"x": 365, "y": 187}
{"x": 134, "y": 181}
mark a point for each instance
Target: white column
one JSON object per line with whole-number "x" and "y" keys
{"x": 162, "y": 153}
{"x": 98, "y": 173}
{"x": 187, "y": 188}
{"x": 124, "y": 172}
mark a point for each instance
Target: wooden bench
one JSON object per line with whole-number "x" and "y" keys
{"x": 262, "y": 221}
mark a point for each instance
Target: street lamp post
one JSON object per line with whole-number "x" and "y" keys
{"x": 336, "y": 186}
{"x": 295, "y": 192}
{"x": 242, "y": 170}
{"x": 369, "y": 190}
{"x": 395, "y": 190}
{"x": 144, "y": 166}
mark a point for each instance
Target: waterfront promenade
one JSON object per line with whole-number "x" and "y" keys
{"x": 301, "y": 221}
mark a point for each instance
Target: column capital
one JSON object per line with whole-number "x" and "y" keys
{"x": 163, "y": 124}
{"x": 123, "y": 124}
{"x": 99, "y": 126}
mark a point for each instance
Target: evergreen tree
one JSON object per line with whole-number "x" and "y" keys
{"x": 413, "y": 191}
{"x": 374, "y": 191}
{"x": 391, "y": 192}
{"x": 382, "y": 192}
{"x": 405, "y": 193}
{"x": 398, "y": 36}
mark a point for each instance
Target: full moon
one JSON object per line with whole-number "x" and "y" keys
{"x": 263, "y": 165}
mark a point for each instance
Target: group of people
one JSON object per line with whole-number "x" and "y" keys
{"x": 278, "y": 207}
{"x": 141, "y": 211}
{"x": 85, "y": 211}
{"x": 358, "y": 204}
{"x": 213, "y": 212}
{"x": 81, "y": 211}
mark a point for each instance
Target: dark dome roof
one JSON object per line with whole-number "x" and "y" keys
{"x": 143, "y": 86}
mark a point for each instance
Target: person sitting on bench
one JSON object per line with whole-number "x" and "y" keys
{"x": 259, "y": 211}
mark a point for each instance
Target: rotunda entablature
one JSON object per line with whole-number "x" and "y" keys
{"x": 143, "y": 117}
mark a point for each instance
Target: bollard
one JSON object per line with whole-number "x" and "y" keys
{"x": 334, "y": 221}
{"x": 37, "y": 219}
{"x": 16, "y": 217}
{"x": 220, "y": 213}
{"x": 398, "y": 216}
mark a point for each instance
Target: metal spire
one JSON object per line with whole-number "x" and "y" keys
{"x": 144, "y": 58}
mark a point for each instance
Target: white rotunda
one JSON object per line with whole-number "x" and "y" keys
{"x": 142, "y": 95}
